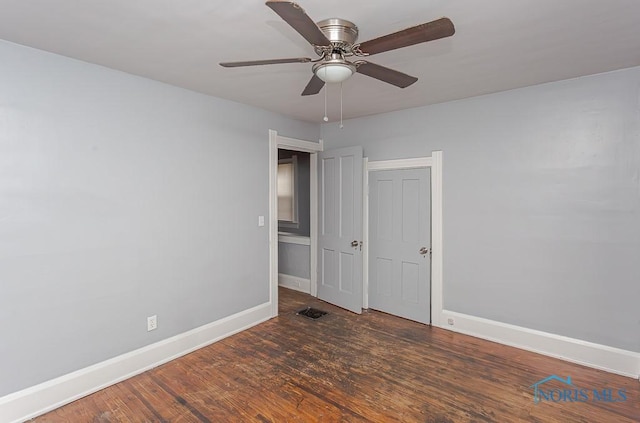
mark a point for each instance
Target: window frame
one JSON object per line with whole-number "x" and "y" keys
{"x": 295, "y": 223}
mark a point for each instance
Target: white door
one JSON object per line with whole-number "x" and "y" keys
{"x": 340, "y": 227}
{"x": 399, "y": 243}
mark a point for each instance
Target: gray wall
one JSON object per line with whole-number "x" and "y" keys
{"x": 293, "y": 259}
{"x": 115, "y": 204}
{"x": 304, "y": 167}
{"x": 541, "y": 201}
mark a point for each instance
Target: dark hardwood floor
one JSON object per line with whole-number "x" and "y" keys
{"x": 349, "y": 368}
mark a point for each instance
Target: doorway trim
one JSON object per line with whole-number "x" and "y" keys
{"x": 435, "y": 164}
{"x": 277, "y": 142}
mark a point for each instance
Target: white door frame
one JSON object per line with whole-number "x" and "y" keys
{"x": 435, "y": 164}
{"x": 276, "y": 142}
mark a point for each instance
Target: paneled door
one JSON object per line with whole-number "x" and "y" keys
{"x": 340, "y": 227}
{"x": 399, "y": 243}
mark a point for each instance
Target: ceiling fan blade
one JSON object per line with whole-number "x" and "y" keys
{"x": 387, "y": 75}
{"x": 264, "y": 62}
{"x": 440, "y": 28}
{"x": 295, "y": 16}
{"x": 314, "y": 86}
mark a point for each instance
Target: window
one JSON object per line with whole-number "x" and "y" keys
{"x": 287, "y": 201}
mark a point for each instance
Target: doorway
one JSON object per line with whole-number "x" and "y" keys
{"x": 293, "y": 189}
{"x": 277, "y": 142}
{"x": 433, "y": 213}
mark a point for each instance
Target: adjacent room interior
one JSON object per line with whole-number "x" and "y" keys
{"x": 464, "y": 205}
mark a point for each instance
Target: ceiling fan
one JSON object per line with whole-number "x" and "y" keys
{"x": 335, "y": 39}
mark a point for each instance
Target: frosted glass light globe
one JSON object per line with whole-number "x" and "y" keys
{"x": 333, "y": 73}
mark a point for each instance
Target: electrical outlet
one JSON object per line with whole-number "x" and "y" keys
{"x": 450, "y": 321}
{"x": 152, "y": 323}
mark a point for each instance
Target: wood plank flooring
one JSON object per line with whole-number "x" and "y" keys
{"x": 349, "y": 368}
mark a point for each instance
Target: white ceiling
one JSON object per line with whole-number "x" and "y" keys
{"x": 498, "y": 45}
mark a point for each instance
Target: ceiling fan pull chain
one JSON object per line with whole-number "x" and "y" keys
{"x": 325, "y": 118}
{"x": 341, "y": 106}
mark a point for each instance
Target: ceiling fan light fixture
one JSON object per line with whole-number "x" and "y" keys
{"x": 334, "y": 72}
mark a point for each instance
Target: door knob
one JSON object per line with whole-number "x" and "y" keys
{"x": 424, "y": 251}
{"x": 354, "y": 244}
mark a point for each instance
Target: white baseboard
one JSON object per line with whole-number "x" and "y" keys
{"x": 614, "y": 360}
{"x": 295, "y": 283}
{"x": 39, "y": 399}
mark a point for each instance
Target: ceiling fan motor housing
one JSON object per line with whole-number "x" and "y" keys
{"x": 339, "y": 31}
